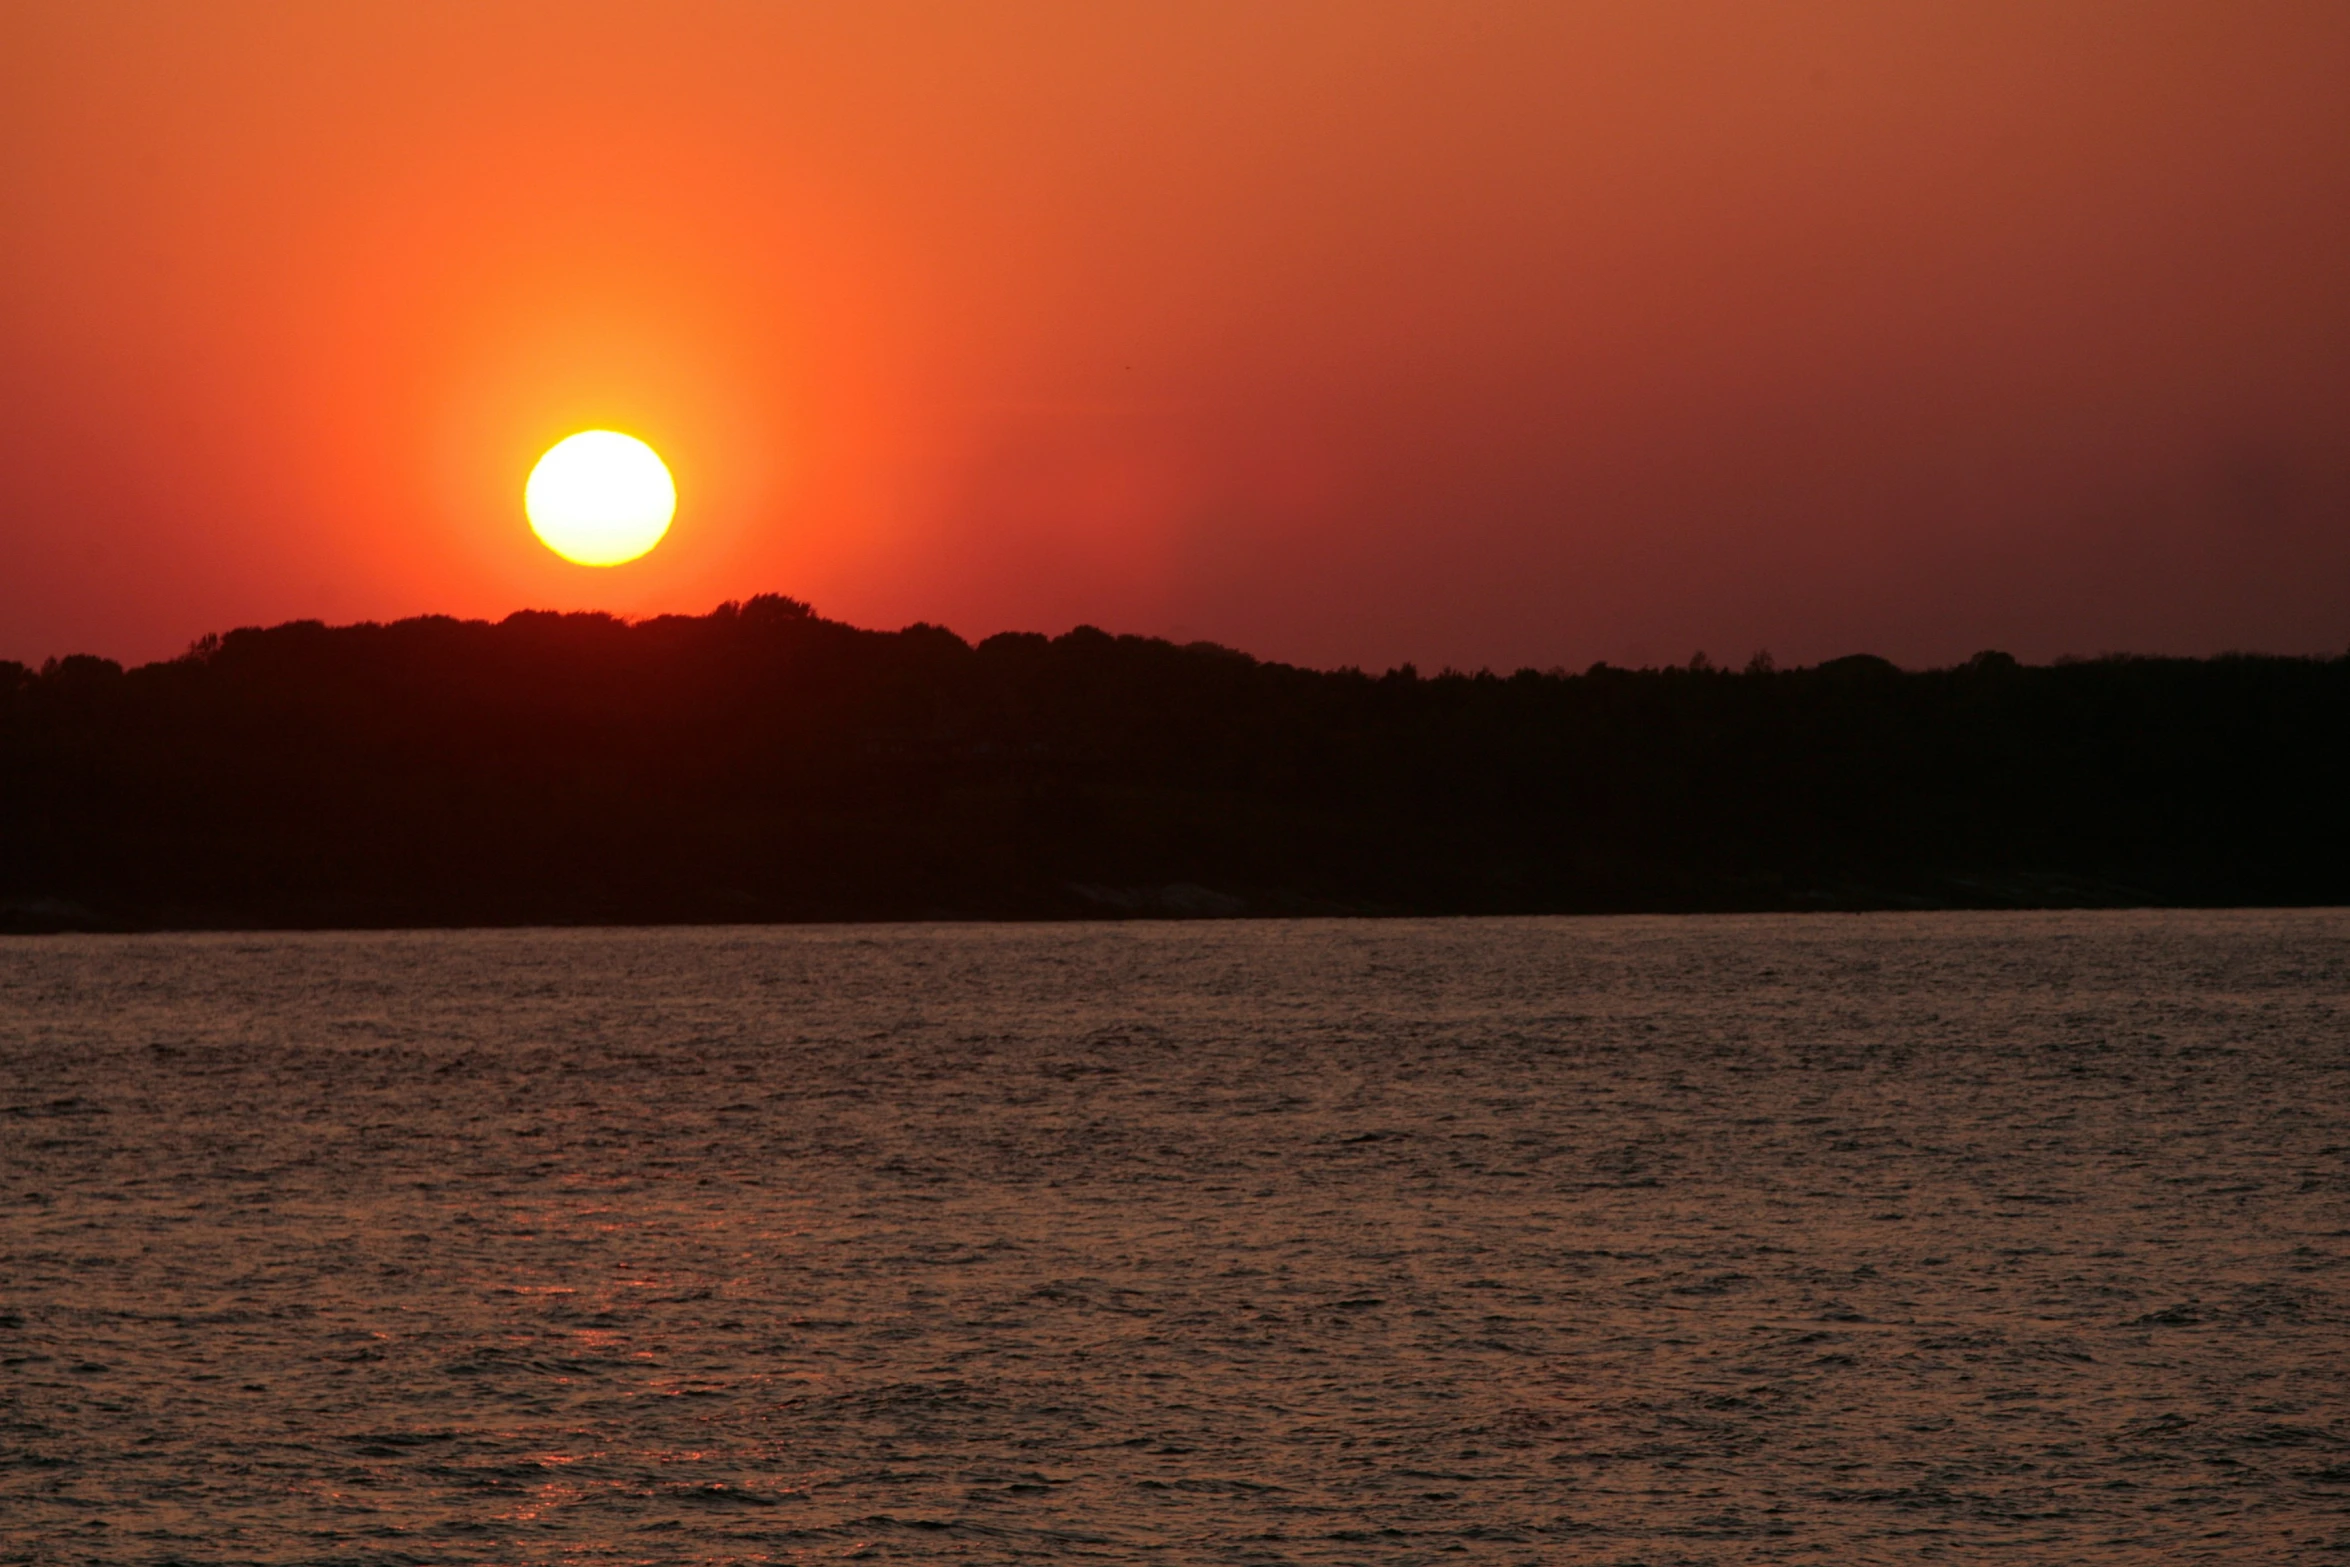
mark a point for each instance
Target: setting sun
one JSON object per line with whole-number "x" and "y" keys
{"x": 600, "y": 498}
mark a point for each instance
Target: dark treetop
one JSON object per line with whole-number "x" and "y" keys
{"x": 762, "y": 763}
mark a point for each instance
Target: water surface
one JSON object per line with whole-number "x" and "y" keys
{"x": 1953, "y": 1238}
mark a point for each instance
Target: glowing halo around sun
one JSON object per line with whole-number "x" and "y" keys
{"x": 600, "y": 498}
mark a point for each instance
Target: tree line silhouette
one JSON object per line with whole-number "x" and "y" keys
{"x": 763, "y": 763}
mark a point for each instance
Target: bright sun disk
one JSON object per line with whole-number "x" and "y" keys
{"x": 600, "y": 498}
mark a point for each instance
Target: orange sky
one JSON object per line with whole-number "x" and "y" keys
{"x": 1346, "y": 332}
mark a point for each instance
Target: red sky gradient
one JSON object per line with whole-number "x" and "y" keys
{"x": 1343, "y": 333}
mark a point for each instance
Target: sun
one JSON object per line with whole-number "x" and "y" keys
{"x": 599, "y": 498}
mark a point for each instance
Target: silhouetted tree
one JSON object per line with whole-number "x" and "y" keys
{"x": 761, "y": 762}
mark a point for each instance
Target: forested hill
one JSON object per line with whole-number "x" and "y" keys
{"x": 762, "y": 763}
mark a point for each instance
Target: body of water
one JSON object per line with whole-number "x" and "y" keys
{"x": 1897, "y": 1238}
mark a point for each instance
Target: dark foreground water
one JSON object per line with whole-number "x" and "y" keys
{"x": 2013, "y": 1238}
